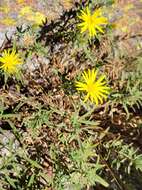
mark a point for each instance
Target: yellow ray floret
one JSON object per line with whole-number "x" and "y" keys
{"x": 96, "y": 89}
{"x": 92, "y": 22}
{"x": 9, "y": 61}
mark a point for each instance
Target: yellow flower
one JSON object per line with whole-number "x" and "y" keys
{"x": 8, "y": 21}
{"x": 40, "y": 18}
{"x": 92, "y": 22}
{"x": 20, "y": 1}
{"x": 31, "y": 15}
{"x": 37, "y": 17}
{"x": 10, "y": 61}
{"x": 5, "y": 9}
{"x": 96, "y": 89}
{"x": 26, "y": 11}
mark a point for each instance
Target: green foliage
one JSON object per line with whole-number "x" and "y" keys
{"x": 77, "y": 172}
{"x": 138, "y": 162}
{"x": 130, "y": 92}
{"x": 88, "y": 175}
{"x": 17, "y": 166}
{"x": 123, "y": 155}
{"x": 35, "y": 121}
{"x": 75, "y": 158}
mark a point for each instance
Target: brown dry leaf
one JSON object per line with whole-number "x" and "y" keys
{"x": 57, "y": 64}
{"x": 28, "y": 40}
{"x": 114, "y": 69}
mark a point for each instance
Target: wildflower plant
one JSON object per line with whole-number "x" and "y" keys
{"x": 10, "y": 60}
{"x": 92, "y": 22}
{"x": 48, "y": 139}
{"x": 97, "y": 90}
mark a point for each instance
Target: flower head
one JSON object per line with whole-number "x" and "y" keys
{"x": 37, "y": 17}
{"x": 96, "y": 89}
{"x": 31, "y": 15}
{"x": 10, "y": 61}
{"x": 20, "y": 1}
{"x": 5, "y": 9}
{"x": 27, "y": 10}
{"x": 8, "y": 21}
{"x": 92, "y": 22}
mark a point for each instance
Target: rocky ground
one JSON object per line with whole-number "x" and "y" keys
{"x": 125, "y": 14}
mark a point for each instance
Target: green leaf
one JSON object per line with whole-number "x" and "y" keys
{"x": 31, "y": 181}
{"x": 101, "y": 181}
{"x": 10, "y": 181}
{"x": 34, "y": 163}
{"x": 138, "y": 163}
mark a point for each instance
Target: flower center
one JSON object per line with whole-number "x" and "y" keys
{"x": 90, "y": 87}
{"x": 90, "y": 20}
